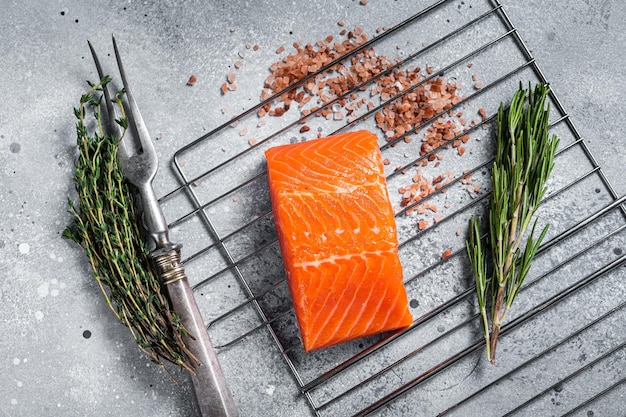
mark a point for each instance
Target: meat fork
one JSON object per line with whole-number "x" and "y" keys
{"x": 140, "y": 168}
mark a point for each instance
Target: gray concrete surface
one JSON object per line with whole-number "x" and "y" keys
{"x": 62, "y": 352}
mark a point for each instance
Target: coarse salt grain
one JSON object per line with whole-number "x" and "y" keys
{"x": 192, "y": 80}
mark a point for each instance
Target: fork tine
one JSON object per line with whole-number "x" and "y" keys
{"x": 114, "y": 128}
{"x": 144, "y": 137}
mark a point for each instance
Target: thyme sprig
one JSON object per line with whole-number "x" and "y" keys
{"x": 524, "y": 159}
{"x": 107, "y": 226}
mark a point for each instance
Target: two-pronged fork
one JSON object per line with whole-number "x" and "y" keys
{"x": 140, "y": 168}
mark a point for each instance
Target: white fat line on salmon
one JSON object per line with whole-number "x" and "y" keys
{"x": 336, "y": 190}
{"x": 335, "y": 258}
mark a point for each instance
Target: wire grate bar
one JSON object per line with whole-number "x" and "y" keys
{"x": 596, "y": 397}
{"x": 571, "y": 376}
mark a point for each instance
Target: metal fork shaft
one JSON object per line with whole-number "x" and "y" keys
{"x": 153, "y": 218}
{"x": 212, "y": 393}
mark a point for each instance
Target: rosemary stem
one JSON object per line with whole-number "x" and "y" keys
{"x": 483, "y": 314}
{"x": 496, "y": 321}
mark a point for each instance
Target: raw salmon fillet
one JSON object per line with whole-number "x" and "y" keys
{"x": 337, "y": 236}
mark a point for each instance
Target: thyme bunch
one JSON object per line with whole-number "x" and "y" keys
{"x": 107, "y": 226}
{"x": 524, "y": 159}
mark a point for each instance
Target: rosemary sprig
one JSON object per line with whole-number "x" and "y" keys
{"x": 107, "y": 227}
{"x": 524, "y": 159}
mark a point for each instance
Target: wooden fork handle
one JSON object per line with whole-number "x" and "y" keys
{"x": 212, "y": 393}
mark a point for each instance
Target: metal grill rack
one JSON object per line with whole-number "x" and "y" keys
{"x": 562, "y": 348}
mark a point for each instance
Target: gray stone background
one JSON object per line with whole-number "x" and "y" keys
{"x": 47, "y": 298}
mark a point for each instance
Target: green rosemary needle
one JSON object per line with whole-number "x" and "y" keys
{"x": 524, "y": 159}
{"x": 107, "y": 227}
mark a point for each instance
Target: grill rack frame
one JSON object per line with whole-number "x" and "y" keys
{"x": 267, "y": 321}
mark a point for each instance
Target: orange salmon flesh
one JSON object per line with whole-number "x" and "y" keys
{"x": 337, "y": 236}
